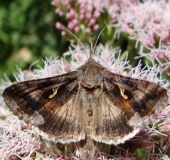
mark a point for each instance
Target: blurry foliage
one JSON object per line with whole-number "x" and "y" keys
{"x": 27, "y": 34}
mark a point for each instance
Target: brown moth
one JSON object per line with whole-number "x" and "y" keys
{"x": 89, "y": 105}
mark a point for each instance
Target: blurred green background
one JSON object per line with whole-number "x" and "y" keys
{"x": 27, "y": 34}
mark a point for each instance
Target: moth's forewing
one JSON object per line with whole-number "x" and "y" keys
{"x": 125, "y": 107}
{"x": 144, "y": 99}
{"x": 50, "y": 104}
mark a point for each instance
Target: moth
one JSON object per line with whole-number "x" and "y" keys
{"x": 89, "y": 105}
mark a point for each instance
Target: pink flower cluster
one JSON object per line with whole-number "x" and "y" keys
{"x": 81, "y": 16}
{"x": 147, "y": 23}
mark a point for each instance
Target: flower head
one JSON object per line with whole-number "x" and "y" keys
{"x": 81, "y": 17}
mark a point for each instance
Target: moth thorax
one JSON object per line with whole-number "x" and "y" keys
{"x": 90, "y": 95}
{"x": 90, "y": 84}
{"x": 91, "y": 77}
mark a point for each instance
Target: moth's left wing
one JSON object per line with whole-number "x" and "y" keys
{"x": 51, "y": 104}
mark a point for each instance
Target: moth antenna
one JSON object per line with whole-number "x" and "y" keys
{"x": 94, "y": 48}
{"x": 91, "y": 50}
{"x": 75, "y": 37}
